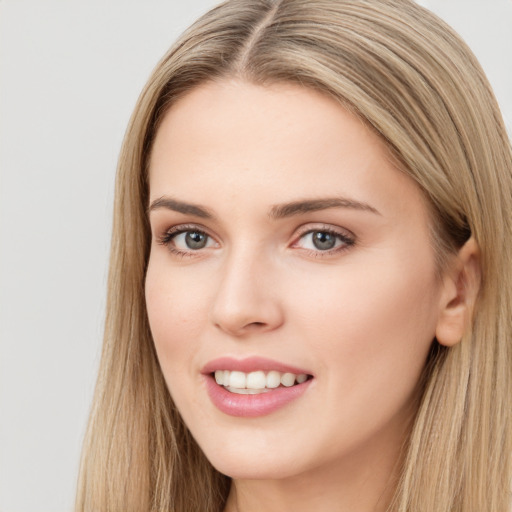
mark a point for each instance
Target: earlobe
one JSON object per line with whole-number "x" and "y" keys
{"x": 460, "y": 291}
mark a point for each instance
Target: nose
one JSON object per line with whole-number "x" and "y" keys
{"x": 247, "y": 298}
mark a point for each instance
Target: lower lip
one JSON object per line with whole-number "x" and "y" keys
{"x": 251, "y": 406}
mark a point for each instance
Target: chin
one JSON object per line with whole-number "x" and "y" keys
{"x": 242, "y": 469}
{"x": 258, "y": 459}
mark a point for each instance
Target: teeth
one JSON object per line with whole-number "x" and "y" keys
{"x": 288, "y": 379}
{"x": 237, "y": 380}
{"x": 273, "y": 379}
{"x": 256, "y": 382}
{"x": 302, "y": 378}
{"x": 243, "y": 391}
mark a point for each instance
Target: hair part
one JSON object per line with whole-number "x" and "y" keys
{"x": 409, "y": 77}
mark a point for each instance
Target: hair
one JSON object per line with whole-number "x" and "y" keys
{"x": 409, "y": 77}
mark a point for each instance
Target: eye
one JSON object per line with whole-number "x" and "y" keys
{"x": 193, "y": 240}
{"x": 324, "y": 240}
{"x": 184, "y": 240}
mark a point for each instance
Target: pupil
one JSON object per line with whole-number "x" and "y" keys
{"x": 195, "y": 240}
{"x": 323, "y": 241}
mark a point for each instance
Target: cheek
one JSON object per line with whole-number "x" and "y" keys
{"x": 176, "y": 316}
{"x": 377, "y": 325}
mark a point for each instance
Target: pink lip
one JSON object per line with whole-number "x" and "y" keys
{"x": 250, "y": 406}
{"x": 250, "y": 364}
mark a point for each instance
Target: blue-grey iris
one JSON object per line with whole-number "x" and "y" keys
{"x": 196, "y": 240}
{"x": 323, "y": 241}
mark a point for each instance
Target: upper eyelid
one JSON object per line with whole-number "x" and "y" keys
{"x": 183, "y": 228}
{"x": 186, "y": 226}
{"x": 312, "y": 227}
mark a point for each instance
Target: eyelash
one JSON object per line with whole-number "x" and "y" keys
{"x": 167, "y": 238}
{"x": 347, "y": 240}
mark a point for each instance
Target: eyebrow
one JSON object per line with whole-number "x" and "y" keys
{"x": 179, "y": 206}
{"x": 279, "y": 211}
{"x": 312, "y": 205}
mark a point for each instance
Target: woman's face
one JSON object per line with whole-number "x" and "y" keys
{"x": 285, "y": 242}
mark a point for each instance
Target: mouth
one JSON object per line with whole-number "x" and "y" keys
{"x": 253, "y": 387}
{"x": 257, "y": 382}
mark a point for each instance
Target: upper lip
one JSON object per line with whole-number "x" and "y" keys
{"x": 250, "y": 364}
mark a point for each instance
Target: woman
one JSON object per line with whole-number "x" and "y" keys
{"x": 309, "y": 296}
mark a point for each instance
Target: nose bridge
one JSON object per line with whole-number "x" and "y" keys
{"x": 245, "y": 298}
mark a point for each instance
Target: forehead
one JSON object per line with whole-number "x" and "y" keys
{"x": 222, "y": 113}
{"x": 280, "y": 142}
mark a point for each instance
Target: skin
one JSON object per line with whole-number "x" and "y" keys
{"x": 360, "y": 318}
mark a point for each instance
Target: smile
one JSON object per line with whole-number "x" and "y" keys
{"x": 254, "y": 386}
{"x": 256, "y": 382}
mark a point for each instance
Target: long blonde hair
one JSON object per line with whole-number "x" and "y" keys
{"x": 411, "y": 79}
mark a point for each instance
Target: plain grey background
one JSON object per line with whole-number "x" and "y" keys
{"x": 70, "y": 73}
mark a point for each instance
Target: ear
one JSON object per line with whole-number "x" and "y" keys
{"x": 461, "y": 283}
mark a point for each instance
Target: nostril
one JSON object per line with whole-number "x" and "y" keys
{"x": 255, "y": 326}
